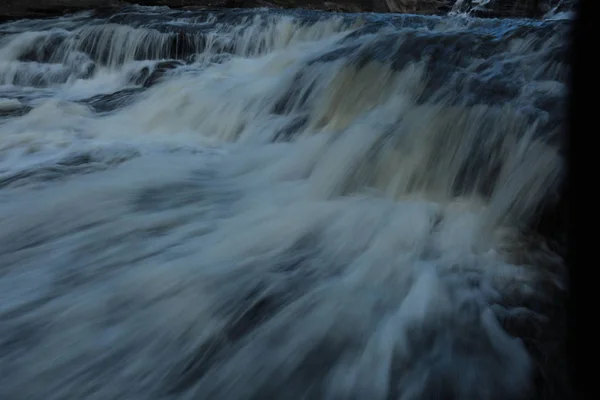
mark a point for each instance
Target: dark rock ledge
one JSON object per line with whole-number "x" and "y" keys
{"x": 18, "y": 9}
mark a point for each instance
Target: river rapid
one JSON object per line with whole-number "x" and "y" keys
{"x": 261, "y": 204}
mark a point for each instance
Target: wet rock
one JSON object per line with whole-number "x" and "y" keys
{"x": 16, "y": 9}
{"x": 13, "y": 108}
{"x": 112, "y": 101}
{"x": 139, "y": 77}
{"x": 149, "y": 76}
{"x": 160, "y": 70}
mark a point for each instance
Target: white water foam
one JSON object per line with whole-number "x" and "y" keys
{"x": 295, "y": 220}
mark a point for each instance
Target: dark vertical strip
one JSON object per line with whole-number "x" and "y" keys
{"x": 582, "y": 129}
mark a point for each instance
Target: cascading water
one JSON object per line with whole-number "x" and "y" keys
{"x": 250, "y": 204}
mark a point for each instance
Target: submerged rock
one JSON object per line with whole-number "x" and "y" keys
{"x": 160, "y": 70}
{"x": 12, "y": 108}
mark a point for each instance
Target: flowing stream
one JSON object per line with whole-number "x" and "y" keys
{"x": 260, "y": 204}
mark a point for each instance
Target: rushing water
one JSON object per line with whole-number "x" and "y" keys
{"x": 250, "y": 204}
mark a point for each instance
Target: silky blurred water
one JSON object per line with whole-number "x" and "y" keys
{"x": 251, "y": 204}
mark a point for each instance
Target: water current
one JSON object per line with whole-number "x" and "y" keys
{"x": 260, "y": 204}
